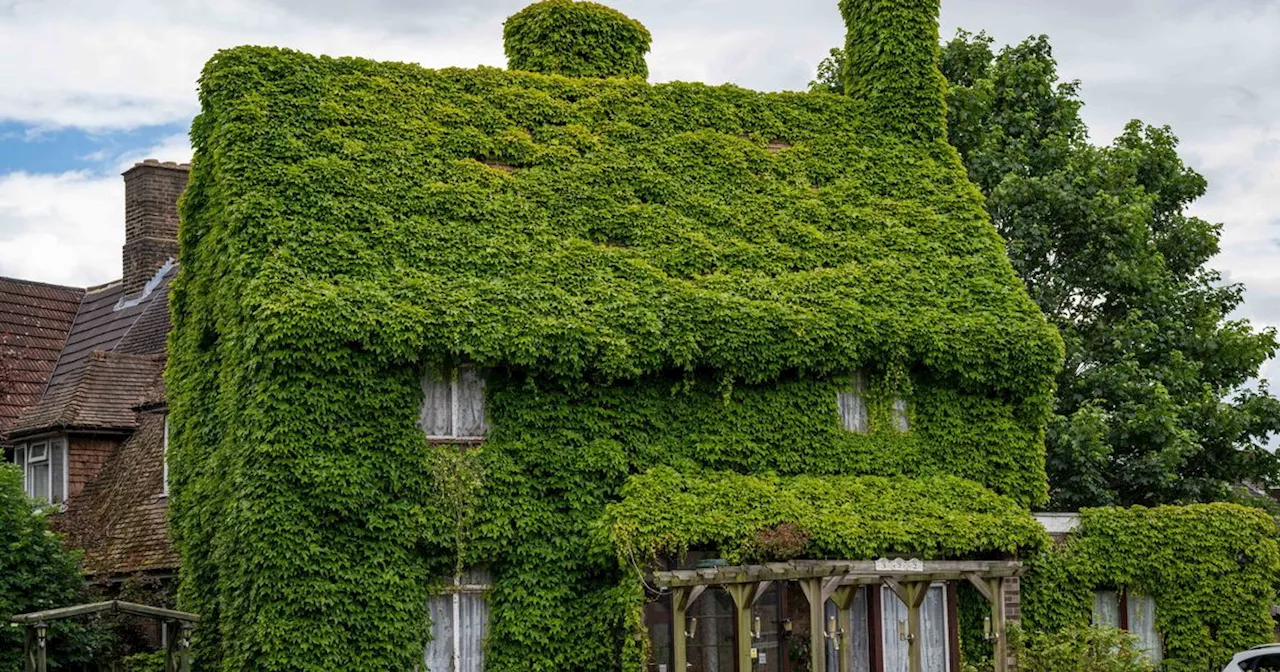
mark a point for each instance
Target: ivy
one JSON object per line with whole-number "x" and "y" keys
{"x": 1211, "y": 569}
{"x": 665, "y": 512}
{"x": 578, "y": 39}
{"x": 661, "y": 281}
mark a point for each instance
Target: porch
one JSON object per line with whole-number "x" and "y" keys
{"x": 886, "y": 615}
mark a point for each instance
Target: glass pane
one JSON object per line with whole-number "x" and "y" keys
{"x": 437, "y": 405}
{"x": 38, "y": 451}
{"x": 894, "y": 615}
{"x": 471, "y": 421}
{"x": 711, "y": 649}
{"x": 38, "y": 480}
{"x": 439, "y": 656}
{"x": 769, "y": 645}
{"x": 861, "y": 651}
{"x": 473, "y": 613}
{"x": 1142, "y": 623}
{"x": 58, "y": 464}
{"x": 853, "y": 412}
{"x": 933, "y": 618}
{"x": 900, "y": 415}
{"x": 1106, "y": 608}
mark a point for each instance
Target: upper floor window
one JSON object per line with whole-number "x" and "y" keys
{"x": 44, "y": 469}
{"x": 852, "y": 403}
{"x": 453, "y": 405}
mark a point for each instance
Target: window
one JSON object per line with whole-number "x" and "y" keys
{"x": 1132, "y": 612}
{"x": 453, "y": 405}
{"x": 164, "y": 485}
{"x": 934, "y": 638}
{"x": 1268, "y": 662}
{"x": 459, "y": 622}
{"x": 853, "y": 404}
{"x": 44, "y": 469}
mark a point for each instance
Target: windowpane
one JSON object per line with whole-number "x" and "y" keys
{"x": 900, "y": 415}
{"x": 1106, "y": 608}
{"x": 470, "y": 422}
{"x": 20, "y": 459}
{"x": 853, "y": 405}
{"x": 439, "y": 656}
{"x": 58, "y": 465}
{"x": 1142, "y": 623}
{"x": 437, "y": 405}
{"x": 473, "y": 615}
{"x": 933, "y": 621}
{"x": 38, "y": 480}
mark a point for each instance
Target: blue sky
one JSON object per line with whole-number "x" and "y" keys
{"x": 91, "y": 87}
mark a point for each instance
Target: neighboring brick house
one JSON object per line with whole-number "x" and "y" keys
{"x": 82, "y": 410}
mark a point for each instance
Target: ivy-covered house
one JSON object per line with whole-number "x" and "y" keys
{"x": 549, "y": 368}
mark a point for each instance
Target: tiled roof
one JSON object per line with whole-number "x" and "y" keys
{"x": 119, "y": 518}
{"x": 34, "y": 321}
{"x": 110, "y": 361}
{"x": 101, "y": 393}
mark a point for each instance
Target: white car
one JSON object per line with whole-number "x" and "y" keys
{"x": 1264, "y": 658}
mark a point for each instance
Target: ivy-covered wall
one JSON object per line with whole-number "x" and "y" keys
{"x": 671, "y": 276}
{"x": 1211, "y": 568}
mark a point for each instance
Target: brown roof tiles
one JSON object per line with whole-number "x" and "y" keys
{"x": 34, "y": 321}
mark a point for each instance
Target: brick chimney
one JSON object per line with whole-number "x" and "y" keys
{"x": 151, "y": 191}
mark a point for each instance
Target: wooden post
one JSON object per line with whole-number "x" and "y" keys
{"x": 915, "y": 642}
{"x": 742, "y": 594}
{"x": 29, "y": 649}
{"x": 813, "y": 591}
{"x": 681, "y": 600}
{"x": 42, "y": 647}
{"x": 184, "y": 665}
{"x": 844, "y": 597}
{"x": 1000, "y": 648}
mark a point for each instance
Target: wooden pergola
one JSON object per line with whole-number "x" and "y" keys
{"x": 35, "y": 644}
{"x": 838, "y": 581}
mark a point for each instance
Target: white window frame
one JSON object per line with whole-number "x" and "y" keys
{"x": 854, "y": 399}
{"x": 454, "y": 373}
{"x": 47, "y": 444}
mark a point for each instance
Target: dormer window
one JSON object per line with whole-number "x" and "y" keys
{"x": 44, "y": 469}
{"x": 453, "y": 405}
{"x": 853, "y": 404}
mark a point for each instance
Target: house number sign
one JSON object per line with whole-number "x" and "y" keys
{"x": 899, "y": 565}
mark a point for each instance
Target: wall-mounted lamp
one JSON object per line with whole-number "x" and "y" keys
{"x": 903, "y": 635}
{"x": 987, "y": 634}
{"x": 755, "y": 628}
{"x": 834, "y": 632}
{"x": 693, "y": 629}
{"x": 786, "y": 627}
{"x": 42, "y": 629}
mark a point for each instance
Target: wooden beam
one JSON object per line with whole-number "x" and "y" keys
{"x": 742, "y": 595}
{"x": 119, "y": 606}
{"x": 852, "y": 571}
{"x": 680, "y": 601}
{"x": 1000, "y": 644}
{"x": 817, "y": 622}
{"x": 980, "y": 583}
{"x": 915, "y": 643}
{"x": 844, "y": 598}
{"x": 898, "y": 589}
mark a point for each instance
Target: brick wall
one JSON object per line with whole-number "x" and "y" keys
{"x": 1013, "y": 600}
{"x": 151, "y": 192}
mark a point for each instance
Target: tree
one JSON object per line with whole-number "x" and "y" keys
{"x": 1155, "y": 403}
{"x": 36, "y": 573}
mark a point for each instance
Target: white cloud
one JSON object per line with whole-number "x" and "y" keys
{"x": 68, "y": 228}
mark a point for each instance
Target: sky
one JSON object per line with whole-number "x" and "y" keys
{"x": 91, "y": 87}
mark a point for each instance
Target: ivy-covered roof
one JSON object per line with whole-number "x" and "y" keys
{"x": 610, "y": 226}
{"x": 837, "y": 517}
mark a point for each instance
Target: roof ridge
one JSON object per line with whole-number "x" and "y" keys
{"x": 37, "y": 283}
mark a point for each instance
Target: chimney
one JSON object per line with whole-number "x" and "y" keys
{"x": 891, "y": 64}
{"x": 151, "y": 191}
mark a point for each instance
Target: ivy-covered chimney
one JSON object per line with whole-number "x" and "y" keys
{"x": 891, "y": 63}
{"x": 576, "y": 39}
{"x": 151, "y": 192}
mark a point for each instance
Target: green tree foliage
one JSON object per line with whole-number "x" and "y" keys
{"x": 577, "y": 39}
{"x": 1153, "y": 402}
{"x": 36, "y": 573}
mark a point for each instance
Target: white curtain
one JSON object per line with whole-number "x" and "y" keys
{"x": 437, "y": 404}
{"x": 860, "y": 654}
{"x": 465, "y": 610}
{"x": 470, "y": 421}
{"x": 1142, "y": 623}
{"x": 1106, "y": 608}
{"x": 933, "y": 617}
